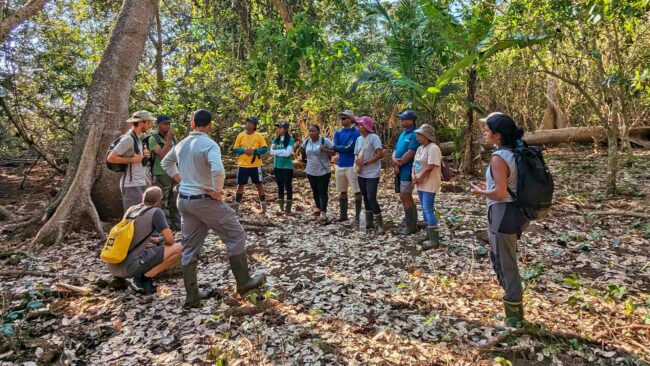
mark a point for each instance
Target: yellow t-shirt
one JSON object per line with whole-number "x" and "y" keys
{"x": 253, "y": 141}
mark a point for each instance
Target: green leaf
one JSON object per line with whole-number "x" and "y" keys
{"x": 402, "y": 286}
{"x": 7, "y": 329}
{"x": 502, "y": 361}
{"x": 35, "y": 304}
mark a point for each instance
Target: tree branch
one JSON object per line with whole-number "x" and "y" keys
{"x": 12, "y": 21}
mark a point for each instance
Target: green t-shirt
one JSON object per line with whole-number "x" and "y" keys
{"x": 153, "y": 144}
{"x": 282, "y": 162}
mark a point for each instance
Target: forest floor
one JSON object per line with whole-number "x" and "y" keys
{"x": 336, "y": 296}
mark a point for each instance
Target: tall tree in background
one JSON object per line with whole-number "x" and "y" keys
{"x": 88, "y": 186}
{"x": 10, "y": 19}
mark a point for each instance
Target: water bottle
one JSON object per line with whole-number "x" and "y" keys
{"x": 362, "y": 221}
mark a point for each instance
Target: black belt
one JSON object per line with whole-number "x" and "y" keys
{"x": 194, "y": 197}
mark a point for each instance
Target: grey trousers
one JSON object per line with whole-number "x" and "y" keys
{"x": 132, "y": 196}
{"x": 197, "y": 216}
{"x": 503, "y": 253}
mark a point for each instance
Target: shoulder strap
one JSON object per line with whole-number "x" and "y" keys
{"x": 159, "y": 140}
{"x": 142, "y": 212}
{"x": 135, "y": 138}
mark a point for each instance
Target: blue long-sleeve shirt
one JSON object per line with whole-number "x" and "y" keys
{"x": 344, "y": 141}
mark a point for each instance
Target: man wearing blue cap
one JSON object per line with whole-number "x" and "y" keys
{"x": 405, "y": 149}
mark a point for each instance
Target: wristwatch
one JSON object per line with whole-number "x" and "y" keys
{"x": 365, "y": 162}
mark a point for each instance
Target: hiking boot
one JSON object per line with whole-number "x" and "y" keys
{"x": 263, "y": 207}
{"x": 118, "y": 283}
{"x": 433, "y": 238}
{"x": 323, "y": 217}
{"x": 411, "y": 221}
{"x": 343, "y": 209}
{"x": 379, "y": 224}
{"x": 143, "y": 285}
{"x": 357, "y": 211}
{"x": 239, "y": 267}
{"x": 287, "y": 208}
{"x": 193, "y": 296}
{"x": 514, "y": 312}
{"x": 281, "y": 203}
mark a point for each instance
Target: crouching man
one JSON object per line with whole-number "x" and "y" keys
{"x": 146, "y": 259}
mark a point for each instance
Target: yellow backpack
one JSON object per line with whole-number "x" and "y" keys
{"x": 120, "y": 237}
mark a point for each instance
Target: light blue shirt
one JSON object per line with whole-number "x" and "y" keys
{"x": 197, "y": 159}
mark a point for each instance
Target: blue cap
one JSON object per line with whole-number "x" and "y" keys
{"x": 252, "y": 119}
{"x": 163, "y": 118}
{"x": 284, "y": 124}
{"x": 407, "y": 114}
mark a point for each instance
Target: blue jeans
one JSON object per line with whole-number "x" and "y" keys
{"x": 427, "y": 199}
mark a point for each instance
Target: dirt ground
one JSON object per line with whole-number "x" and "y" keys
{"x": 337, "y": 296}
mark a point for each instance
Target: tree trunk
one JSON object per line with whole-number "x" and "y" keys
{"x": 160, "y": 76}
{"x": 554, "y": 116}
{"x": 470, "y": 152}
{"x": 14, "y": 20}
{"x": 102, "y": 120}
{"x": 288, "y": 25}
{"x": 612, "y": 159}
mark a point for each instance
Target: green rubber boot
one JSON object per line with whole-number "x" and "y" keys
{"x": 357, "y": 211}
{"x": 287, "y": 208}
{"x": 193, "y": 296}
{"x": 239, "y": 267}
{"x": 411, "y": 220}
{"x": 370, "y": 220}
{"x": 281, "y": 203}
{"x": 433, "y": 238}
{"x": 514, "y": 312}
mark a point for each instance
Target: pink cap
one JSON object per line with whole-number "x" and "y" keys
{"x": 367, "y": 122}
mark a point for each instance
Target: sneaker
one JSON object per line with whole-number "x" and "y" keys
{"x": 118, "y": 283}
{"x": 143, "y": 285}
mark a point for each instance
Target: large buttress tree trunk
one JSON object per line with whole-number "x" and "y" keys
{"x": 470, "y": 151}
{"x": 102, "y": 120}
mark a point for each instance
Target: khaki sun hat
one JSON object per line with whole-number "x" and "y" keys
{"x": 426, "y": 131}
{"x": 140, "y": 116}
{"x": 347, "y": 113}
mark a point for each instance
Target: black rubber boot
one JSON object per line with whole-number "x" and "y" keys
{"x": 287, "y": 207}
{"x": 281, "y": 203}
{"x": 433, "y": 238}
{"x": 514, "y": 312}
{"x": 239, "y": 267}
{"x": 411, "y": 219}
{"x": 193, "y": 296}
{"x": 379, "y": 224}
{"x": 357, "y": 211}
{"x": 343, "y": 209}
{"x": 370, "y": 220}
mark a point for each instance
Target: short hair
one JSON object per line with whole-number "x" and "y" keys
{"x": 152, "y": 195}
{"x": 202, "y": 118}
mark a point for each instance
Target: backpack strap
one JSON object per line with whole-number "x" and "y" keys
{"x": 142, "y": 212}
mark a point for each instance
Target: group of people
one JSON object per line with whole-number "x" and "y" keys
{"x": 195, "y": 165}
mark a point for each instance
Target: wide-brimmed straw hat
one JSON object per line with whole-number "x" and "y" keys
{"x": 140, "y": 116}
{"x": 367, "y": 122}
{"x": 426, "y": 131}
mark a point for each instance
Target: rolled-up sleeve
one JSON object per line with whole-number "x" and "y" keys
{"x": 169, "y": 163}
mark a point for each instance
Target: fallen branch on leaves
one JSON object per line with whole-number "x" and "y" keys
{"x": 72, "y": 289}
{"x": 260, "y": 307}
{"x": 15, "y": 273}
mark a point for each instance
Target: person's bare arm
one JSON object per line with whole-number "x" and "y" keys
{"x": 114, "y": 158}
{"x": 500, "y": 173}
{"x": 168, "y": 236}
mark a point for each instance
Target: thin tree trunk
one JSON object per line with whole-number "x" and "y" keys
{"x": 160, "y": 76}
{"x": 288, "y": 25}
{"x": 14, "y": 20}
{"x": 470, "y": 152}
{"x": 102, "y": 120}
{"x": 612, "y": 158}
{"x": 554, "y": 116}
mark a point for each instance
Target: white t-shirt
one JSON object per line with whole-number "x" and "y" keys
{"x": 135, "y": 174}
{"x": 425, "y": 156}
{"x": 318, "y": 162}
{"x": 369, "y": 144}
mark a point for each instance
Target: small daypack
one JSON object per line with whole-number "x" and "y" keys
{"x": 119, "y": 239}
{"x": 445, "y": 171}
{"x": 534, "y": 182}
{"x": 121, "y": 167}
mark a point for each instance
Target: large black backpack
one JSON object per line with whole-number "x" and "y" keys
{"x": 121, "y": 167}
{"x": 534, "y": 182}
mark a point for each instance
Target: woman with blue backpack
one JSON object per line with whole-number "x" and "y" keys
{"x": 506, "y": 221}
{"x": 281, "y": 150}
